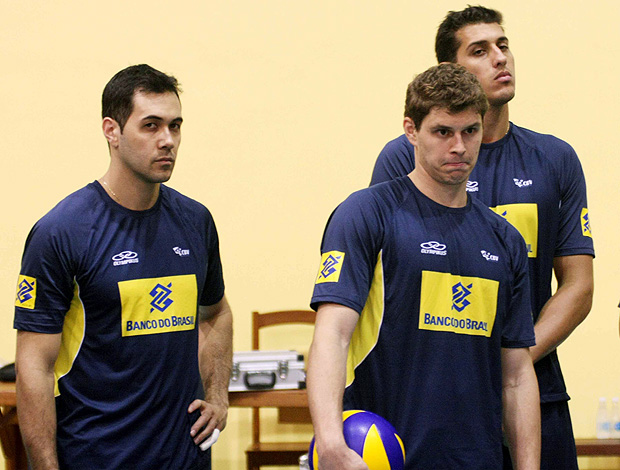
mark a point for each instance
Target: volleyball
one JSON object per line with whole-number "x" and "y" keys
{"x": 372, "y": 437}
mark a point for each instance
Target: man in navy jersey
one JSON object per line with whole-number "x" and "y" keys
{"x": 422, "y": 299}
{"x": 124, "y": 339}
{"x": 536, "y": 182}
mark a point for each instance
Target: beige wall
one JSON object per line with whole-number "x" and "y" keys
{"x": 286, "y": 105}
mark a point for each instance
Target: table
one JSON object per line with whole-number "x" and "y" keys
{"x": 10, "y": 438}
{"x": 13, "y": 448}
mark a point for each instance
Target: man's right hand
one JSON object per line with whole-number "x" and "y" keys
{"x": 342, "y": 458}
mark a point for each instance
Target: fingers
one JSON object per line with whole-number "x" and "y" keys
{"x": 211, "y": 420}
{"x": 212, "y": 439}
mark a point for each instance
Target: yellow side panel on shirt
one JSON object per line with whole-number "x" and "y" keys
{"x": 523, "y": 217}
{"x": 158, "y": 305}
{"x": 26, "y": 292}
{"x": 71, "y": 339}
{"x": 366, "y": 333}
{"x": 459, "y": 304}
{"x": 586, "y": 230}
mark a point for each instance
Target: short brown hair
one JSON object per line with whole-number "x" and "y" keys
{"x": 448, "y": 86}
{"x": 117, "y": 98}
{"x": 446, "y": 42}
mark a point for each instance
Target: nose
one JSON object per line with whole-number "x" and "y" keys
{"x": 458, "y": 146}
{"x": 499, "y": 58}
{"x": 166, "y": 140}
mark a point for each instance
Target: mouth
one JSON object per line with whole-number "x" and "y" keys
{"x": 503, "y": 76}
{"x": 457, "y": 165}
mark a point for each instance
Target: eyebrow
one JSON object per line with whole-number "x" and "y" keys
{"x": 154, "y": 117}
{"x": 483, "y": 42}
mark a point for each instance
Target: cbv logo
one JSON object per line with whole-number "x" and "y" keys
{"x": 459, "y": 296}
{"x": 522, "y": 183}
{"x": 161, "y": 300}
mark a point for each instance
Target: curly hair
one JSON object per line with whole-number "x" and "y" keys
{"x": 448, "y": 86}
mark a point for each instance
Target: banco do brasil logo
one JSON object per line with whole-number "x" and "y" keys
{"x": 161, "y": 297}
{"x": 24, "y": 291}
{"x": 459, "y": 296}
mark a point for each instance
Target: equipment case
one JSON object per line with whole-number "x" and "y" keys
{"x": 267, "y": 370}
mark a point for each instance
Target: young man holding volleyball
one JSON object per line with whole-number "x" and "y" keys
{"x": 423, "y": 303}
{"x": 536, "y": 182}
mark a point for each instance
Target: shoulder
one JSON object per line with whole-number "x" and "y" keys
{"x": 399, "y": 145}
{"x": 386, "y": 195}
{"x": 548, "y": 144}
{"x": 188, "y": 206}
{"x": 369, "y": 209}
{"x": 73, "y": 212}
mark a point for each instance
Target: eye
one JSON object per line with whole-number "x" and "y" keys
{"x": 442, "y": 132}
{"x": 175, "y": 126}
{"x": 150, "y": 125}
{"x": 478, "y": 52}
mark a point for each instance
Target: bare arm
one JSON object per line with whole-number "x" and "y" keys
{"x": 36, "y": 408}
{"x": 521, "y": 408}
{"x": 215, "y": 360}
{"x": 568, "y": 307}
{"x": 326, "y": 381}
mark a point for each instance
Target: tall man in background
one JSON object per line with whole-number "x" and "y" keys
{"x": 123, "y": 326}
{"x": 536, "y": 182}
{"x": 422, "y": 298}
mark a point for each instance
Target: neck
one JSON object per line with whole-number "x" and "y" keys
{"x": 496, "y": 123}
{"x": 449, "y": 195}
{"x": 135, "y": 195}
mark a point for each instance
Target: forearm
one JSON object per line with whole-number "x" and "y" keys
{"x": 568, "y": 307}
{"x": 215, "y": 355}
{"x": 326, "y": 383}
{"x": 36, "y": 412}
{"x": 521, "y": 409}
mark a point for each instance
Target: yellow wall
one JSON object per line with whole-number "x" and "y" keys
{"x": 286, "y": 105}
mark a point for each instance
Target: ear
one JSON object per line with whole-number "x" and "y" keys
{"x": 111, "y": 131}
{"x": 410, "y": 131}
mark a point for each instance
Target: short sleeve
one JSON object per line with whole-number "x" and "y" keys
{"x": 213, "y": 290}
{"x": 349, "y": 251}
{"x": 395, "y": 160}
{"x": 518, "y": 328}
{"x": 46, "y": 281}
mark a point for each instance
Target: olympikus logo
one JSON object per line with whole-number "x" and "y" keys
{"x": 180, "y": 251}
{"x": 125, "y": 257}
{"x": 522, "y": 183}
{"x": 472, "y": 186}
{"x": 488, "y": 256}
{"x": 433, "y": 248}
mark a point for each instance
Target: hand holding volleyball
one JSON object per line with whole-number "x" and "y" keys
{"x": 372, "y": 437}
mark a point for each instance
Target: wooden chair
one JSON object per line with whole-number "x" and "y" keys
{"x": 277, "y": 453}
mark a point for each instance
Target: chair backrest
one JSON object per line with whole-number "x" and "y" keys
{"x": 267, "y": 319}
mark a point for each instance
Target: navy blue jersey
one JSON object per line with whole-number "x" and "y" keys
{"x": 536, "y": 182}
{"x": 124, "y": 288}
{"x": 440, "y": 291}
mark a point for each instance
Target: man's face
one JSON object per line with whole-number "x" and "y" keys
{"x": 484, "y": 52}
{"x": 148, "y": 145}
{"x": 446, "y": 145}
